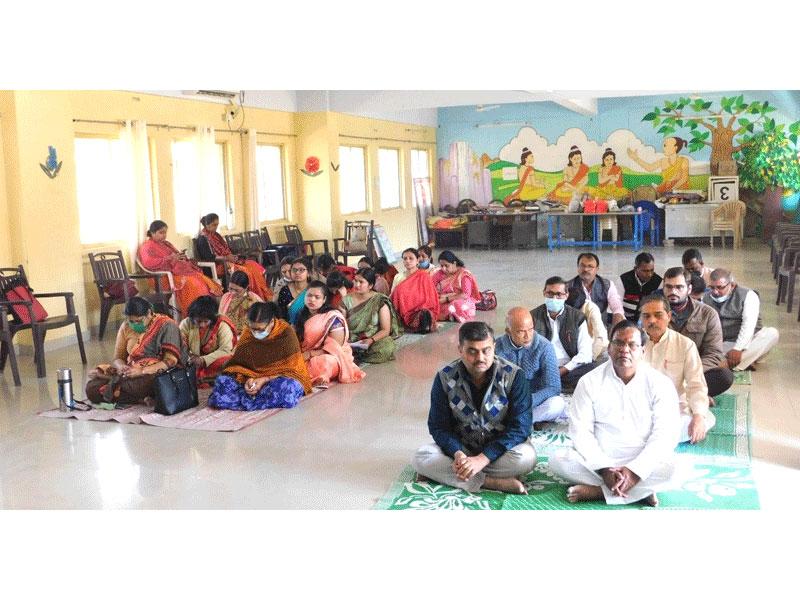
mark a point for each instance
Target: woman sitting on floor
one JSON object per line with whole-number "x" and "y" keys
{"x": 458, "y": 291}
{"x": 425, "y": 257}
{"x": 291, "y": 299}
{"x": 286, "y": 275}
{"x": 267, "y": 369}
{"x": 414, "y": 296}
{"x": 157, "y": 254}
{"x": 326, "y": 265}
{"x": 386, "y": 272}
{"x": 322, "y": 331}
{"x": 339, "y": 286}
{"x": 147, "y": 343}
{"x": 209, "y": 337}
{"x": 212, "y": 246}
{"x": 372, "y": 319}
{"x": 237, "y": 300}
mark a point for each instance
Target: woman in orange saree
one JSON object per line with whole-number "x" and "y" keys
{"x": 576, "y": 176}
{"x": 157, "y": 254}
{"x": 323, "y": 335}
{"x": 217, "y": 247}
{"x": 414, "y": 296}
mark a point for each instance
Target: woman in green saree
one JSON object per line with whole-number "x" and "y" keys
{"x": 372, "y": 320}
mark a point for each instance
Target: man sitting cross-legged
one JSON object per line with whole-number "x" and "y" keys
{"x": 676, "y": 356}
{"x": 533, "y": 354}
{"x": 480, "y": 419}
{"x": 623, "y": 422}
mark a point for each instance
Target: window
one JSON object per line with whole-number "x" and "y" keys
{"x": 421, "y": 177}
{"x": 269, "y": 171}
{"x": 102, "y": 171}
{"x": 352, "y": 180}
{"x": 389, "y": 174}
{"x": 198, "y": 190}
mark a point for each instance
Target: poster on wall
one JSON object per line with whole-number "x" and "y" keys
{"x": 383, "y": 247}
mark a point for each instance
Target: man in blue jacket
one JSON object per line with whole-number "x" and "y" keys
{"x": 480, "y": 419}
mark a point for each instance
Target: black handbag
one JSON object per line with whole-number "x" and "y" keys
{"x": 175, "y": 390}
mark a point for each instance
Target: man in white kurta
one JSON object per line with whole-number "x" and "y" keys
{"x": 624, "y": 426}
{"x": 677, "y": 357}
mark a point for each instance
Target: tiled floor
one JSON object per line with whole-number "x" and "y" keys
{"x": 343, "y": 448}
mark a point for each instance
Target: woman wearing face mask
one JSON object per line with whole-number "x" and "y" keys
{"x": 237, "y": 300}
{"x": 267, "y": 369}
{"x": 209, "y": 337}
{"x": 414, "y": 296}
{"x": 425, "y": 254}
{"x": 211, "y": 246}
{"x": 291, "y": 298}
{"x": 323, "y": 334}
{"x": 146, "y": 344}
{"x": 458, "y": 291}
{"x": 372, "y": 320}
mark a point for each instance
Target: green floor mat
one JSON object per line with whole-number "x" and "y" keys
{"x": 743, "y": 377}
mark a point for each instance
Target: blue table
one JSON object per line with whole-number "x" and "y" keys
{"x": 596, "y": 241}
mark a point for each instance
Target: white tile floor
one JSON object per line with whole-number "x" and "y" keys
{"x": 343, "y": 448}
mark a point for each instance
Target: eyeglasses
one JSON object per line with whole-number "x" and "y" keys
{"x": 555, "y": 294}
{"x": 718, "y": 288}
{"x": 300, "y": 270}
{"x": 619, "y": 345}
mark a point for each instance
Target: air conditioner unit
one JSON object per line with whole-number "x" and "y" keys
{"x": 213, "y": 93}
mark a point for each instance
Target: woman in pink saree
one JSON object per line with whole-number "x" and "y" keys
{"x": 157, "y": 254}
{"x": 458, "y": 291}
{"x": 323, "y": 334}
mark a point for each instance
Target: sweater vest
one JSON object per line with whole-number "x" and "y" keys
{"x": 730, "y": 313}
{"x": 599, "y": 293}
{"x": 568, "y": 322}
{"x": 478, "y": 423}
{"x": 633, "y": 293}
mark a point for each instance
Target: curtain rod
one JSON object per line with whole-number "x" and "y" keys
{"x": 363, "y": 137}
{"x": 164, "y": 125}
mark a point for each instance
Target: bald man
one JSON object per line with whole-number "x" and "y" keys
{"x": 535, "y": 355}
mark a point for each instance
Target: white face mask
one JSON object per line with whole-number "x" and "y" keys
{"x": 720, "y": 299}
{"x": 260, "y": 335}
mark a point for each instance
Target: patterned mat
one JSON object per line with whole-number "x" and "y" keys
{"x": 714, "y": 474}
{"x": 201, "y": 418}
{"x": 742, "y": 377}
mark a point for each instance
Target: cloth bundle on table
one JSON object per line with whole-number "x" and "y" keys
{"x": 190, "y": 283}
{"x": 278, "y": 356}
{"x": 337, "y": 363}
{"x": 413, "y": 296}
{"x": 461, "y": 282}
{"x": 255, "y": 272}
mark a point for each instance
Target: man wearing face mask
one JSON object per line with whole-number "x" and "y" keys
{"x": 677, "y": 357}
{"x": 566, "y": 329}
{"x": 700, "y": 323}
{"x": 745, "y": 341}
{"x": 480, "y": 419}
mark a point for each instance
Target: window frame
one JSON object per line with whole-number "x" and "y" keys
{"x": 282, "y": 158}
{"x": 400, "y": 179}
{"x": 365, "y": 163}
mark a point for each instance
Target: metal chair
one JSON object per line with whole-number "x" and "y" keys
{"x": 108, "y": 269}
{"x": 729, "y": 216}
{"x": 358, "y": 240}
{"x": 13, "y": 276}
{"x": 7, "y": 345}
{"x": 294, "y": 237}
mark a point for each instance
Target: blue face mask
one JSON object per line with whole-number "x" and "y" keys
{"x": 721, "y": 299}
{"x": 260, "y": 335}
{"x": 554, "y": 305}
{"x": 424, "y": 264}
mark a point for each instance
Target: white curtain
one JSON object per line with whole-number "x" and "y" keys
{"x": 206, "y": 147}
{"x": 136, "y": 173}
{"x": 252, "y": 180}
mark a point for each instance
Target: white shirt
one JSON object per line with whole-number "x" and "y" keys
{"x": 595, "y": 327}
{"x": 584, "y": 355}
{"x": 613, "y": 424}
{"x": 750, "y": 310}
{"x": 676, "y": 356}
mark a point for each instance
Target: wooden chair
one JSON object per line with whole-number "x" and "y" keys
{"x": 109, "y": 268}
{"x": 729, "y": 216}
{"x": 12, "y": 276}
{"x": 284, "y": 250}
{"x": 7, "y": 344}
{"x": 268, "y": 257}
{"x": 358, "y": 240}
{"x": 294, "y": 237}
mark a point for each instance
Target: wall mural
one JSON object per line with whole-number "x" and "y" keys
{"x": 529, "y": 168}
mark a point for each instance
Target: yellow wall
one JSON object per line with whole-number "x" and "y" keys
{"x": 42, "y": 229}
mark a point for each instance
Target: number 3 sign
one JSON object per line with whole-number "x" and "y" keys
{"x": 722, "y": 189}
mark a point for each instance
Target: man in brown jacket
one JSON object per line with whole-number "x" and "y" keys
{"x": 700, "y": 323}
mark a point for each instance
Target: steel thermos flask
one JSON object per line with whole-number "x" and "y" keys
{"x": 65, "y": 400}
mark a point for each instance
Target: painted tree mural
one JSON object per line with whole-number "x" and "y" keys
{"x": 726, "y": 131}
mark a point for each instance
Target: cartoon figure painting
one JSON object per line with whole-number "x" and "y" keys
{"x": 530, "y": 187}
{"x": 674, "y": 168}
{"x": 609, "y": 179}
{"x": 576, "y": 176}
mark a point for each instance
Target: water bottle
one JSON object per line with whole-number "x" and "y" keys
{"x": 65, "y": 400}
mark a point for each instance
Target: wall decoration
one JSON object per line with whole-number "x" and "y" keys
{"x": 52, "y": 166}
{"x": 735, "y": 121}
{"x": 722, "y": 189}
{"x": 311, "y": 167}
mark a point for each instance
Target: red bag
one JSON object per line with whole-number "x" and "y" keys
{"x": 600, "y": 206}
{"x": 21, "y": 313}
{"x": 117, "y": 290}
{"x": 589, "y": 206}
